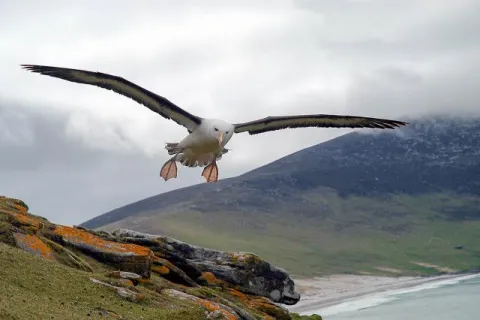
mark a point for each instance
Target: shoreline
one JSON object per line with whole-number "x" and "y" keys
{"x": 322, "y": 292}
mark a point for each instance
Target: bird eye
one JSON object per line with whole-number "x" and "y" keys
{"x": 226, "y": 132}
{"x": 215, "y": 129}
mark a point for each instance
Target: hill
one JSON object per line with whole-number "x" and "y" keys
{"x": 58, "y": 272}
{"x": 403, "y": 202}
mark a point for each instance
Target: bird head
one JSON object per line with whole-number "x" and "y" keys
{"x": 221, "y": 130}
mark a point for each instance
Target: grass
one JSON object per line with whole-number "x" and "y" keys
{"x": 33, "y": 288}
{"x": 350, "y": 235}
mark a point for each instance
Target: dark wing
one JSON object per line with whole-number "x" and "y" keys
{"x": 315, "y": 120}
{"x": 154, "y": 102}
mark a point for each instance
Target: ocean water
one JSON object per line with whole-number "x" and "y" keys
{"x": 457, "y": 298}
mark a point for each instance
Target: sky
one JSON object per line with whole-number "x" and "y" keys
{"x": 74, "y": 151}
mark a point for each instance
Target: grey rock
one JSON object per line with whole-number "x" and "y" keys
{"x": 243, "y": 271}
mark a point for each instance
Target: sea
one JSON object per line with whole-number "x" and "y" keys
{"x": 449, "y": 299}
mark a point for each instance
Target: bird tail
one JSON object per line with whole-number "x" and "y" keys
{"x": 190, "y": 160}
{"x": 172, "y": 148}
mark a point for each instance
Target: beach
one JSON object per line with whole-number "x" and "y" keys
{"x": 322, "y": 292}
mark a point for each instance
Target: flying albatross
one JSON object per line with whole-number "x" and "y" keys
{"x": 205, "y": 143}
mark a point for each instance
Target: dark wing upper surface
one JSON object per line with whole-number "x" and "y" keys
{"x": 315, "y": 120}
{"x": 124, "y": 87}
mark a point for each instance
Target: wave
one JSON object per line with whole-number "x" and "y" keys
{"x": 376, "y": 299}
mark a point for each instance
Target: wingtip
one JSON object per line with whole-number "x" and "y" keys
{"x": 30, "y": 67}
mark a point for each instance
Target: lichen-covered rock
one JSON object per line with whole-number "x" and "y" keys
{"x": 139, "y": 267}
{"x": 261, "y": 304}
{"x": 215, "y": 309}
{"x": 171, "y": 272}
{"x": 121, "y": 291}
{"x": 67, "y": 257}
{"x": 243, "y": 271}
{"x": 14, "y": 204}
{"x": 124, "y": 256}
{"x": 21, "y": 218}
{"x": 296, "y": 316}
{"x": 124, "y": 275}
{"x": 33, "y": 244}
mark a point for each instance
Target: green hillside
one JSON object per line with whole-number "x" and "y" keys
{"x": 401, "y": 231}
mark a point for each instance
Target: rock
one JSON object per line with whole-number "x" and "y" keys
{"x": 261, "y": 304}
{"x": 124, "y": 256}
{"x": 67, "y": 257}
{"x": 127, "y": 279}
{"x": 24, "y": 230}
{"x": 107, "y": 313}
{"x": 125, "y": 275}
{"x": 33, "y": 244}
{"x": 296, "y": 316}
{"x": 215, "y": 309}
{"x": 123, "y": 292}
{"x": 14, "y": 204}
{"x": 21, "y": 219}
{"x": 171, "y": 272}
{"x": 227, "y": 285}
{"x": 243, "y": 271}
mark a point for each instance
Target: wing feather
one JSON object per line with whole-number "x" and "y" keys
{"x": 154, "y": 102}
{"x": 315, "y": 120}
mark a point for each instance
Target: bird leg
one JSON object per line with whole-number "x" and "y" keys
{"x": 169, "y": 169}
{"x": 211, "y": 172}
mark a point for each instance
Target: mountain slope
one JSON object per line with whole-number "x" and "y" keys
{"x": 363, "y": 202}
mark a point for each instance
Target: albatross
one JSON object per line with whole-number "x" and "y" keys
{"x": 206, "y": 140}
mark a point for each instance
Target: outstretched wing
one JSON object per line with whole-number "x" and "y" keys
{"x": 154, "y": 102}
{"x": 315, "y": 120}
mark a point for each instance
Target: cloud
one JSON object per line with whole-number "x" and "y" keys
{"x": 67, "y": 180}
{"x": 236, "y": 60}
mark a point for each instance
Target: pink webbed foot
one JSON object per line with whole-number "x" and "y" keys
{"x": 169, "y": 170}
{"x": 210, "y": 173}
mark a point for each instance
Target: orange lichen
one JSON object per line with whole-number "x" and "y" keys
{"x": 212, "y": 307}
{"x": 209, "y": 277}
{"x": 161, "y": 270}
{"x": 240, "y": 295}
{"x": 20, "y": 208}
{"x": 206, "y": 304}
{"x": 15, "y": 204}
{"x": 211, "y": 280}
{"x": 23, "y": 218}
{"x": 126, "y": 283}
{"x": 264, "y": 305}
{"x": 33, "y": 244}
{"x": 75, "y": 235}
{"x": 269, "y": 310}
{"x": 163, "y": 262}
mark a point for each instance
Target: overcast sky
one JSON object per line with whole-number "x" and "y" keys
{"x": 74, "y": 151}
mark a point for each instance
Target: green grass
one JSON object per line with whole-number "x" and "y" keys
{"x": 33, "y": 288}
{"x": 352, "y": 235}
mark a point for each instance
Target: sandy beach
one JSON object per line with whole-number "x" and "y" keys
{"x": 321, "y": 292}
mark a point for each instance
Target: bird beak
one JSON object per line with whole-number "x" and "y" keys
{"x": 220, "y": 138}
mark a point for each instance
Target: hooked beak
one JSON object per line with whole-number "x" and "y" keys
{"x": 220, "y": 138}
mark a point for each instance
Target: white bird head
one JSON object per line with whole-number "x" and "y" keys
{"x": 219, "y": 130}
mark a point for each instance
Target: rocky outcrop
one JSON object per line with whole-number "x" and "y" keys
{"x": 216, "y": 309}
{"x": 127, "y": 257}
{"x": 227, "y": 285}
{"x": 245, "y": 272}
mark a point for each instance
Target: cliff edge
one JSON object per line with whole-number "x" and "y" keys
{"x": 75, "y": 272}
